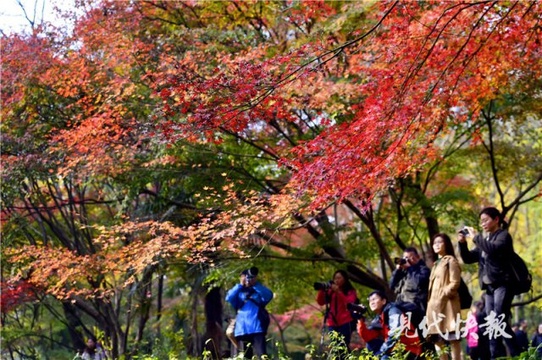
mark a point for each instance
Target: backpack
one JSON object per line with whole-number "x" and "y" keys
{"x": 520, "y": 277}
{"x": 265, "y": 319}
{"x": 263, "y": 316}
{"x": 465, "y": 298}
{"x": 411, "y": 311}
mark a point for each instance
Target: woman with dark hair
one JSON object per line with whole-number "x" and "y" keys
{"x": 443, "y": 306}
{"x": 93, "y": 351}
{"x": 491, "y": 252}
{"x": 336, "y": 297}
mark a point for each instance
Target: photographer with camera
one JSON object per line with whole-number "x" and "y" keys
{"x": 336, "y": 295}
{"x": 389, "y": 327}
{"x": 492, "y": 251}
{"x": 410, "y": 283}
{"x": 249, "y": 299}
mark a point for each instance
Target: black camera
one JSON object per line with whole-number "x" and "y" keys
{"x": 356, "y": 310}
{"x": 323, "y": 285}
{"x": 464, "y": 231}
{"x": 399, "y": 261}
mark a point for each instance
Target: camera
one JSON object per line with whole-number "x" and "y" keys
{"x": 323, "y": 285}
{"x": 356, "y": 310}
{"x": 464, "y": 231}
{"x": 399, "y": 261}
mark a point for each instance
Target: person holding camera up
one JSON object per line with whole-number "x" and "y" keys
{"x": 249, "y": 299}
{"x": 491, "y": 252}
{"x": 389, "y": 327}
{"x": 410, "y": 283}
{"x": 336, "y": 295}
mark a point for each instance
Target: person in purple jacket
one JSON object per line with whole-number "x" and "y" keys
{"x": 249, "y": 299}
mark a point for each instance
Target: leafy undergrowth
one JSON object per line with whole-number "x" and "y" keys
{"x": 335, "y": 350}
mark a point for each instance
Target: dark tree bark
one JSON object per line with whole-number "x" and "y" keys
{"x": 214, "y": 310}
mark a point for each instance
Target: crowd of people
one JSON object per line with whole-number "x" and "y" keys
{"x": 426, "y": 311}
{"x": 424, "y": 299}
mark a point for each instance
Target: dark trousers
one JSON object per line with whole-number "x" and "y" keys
{"x": 345, "y": 330}
{"x": 478, "y": 353}
{"x": 499, "y": 300}
{"x": 253, "y": 344}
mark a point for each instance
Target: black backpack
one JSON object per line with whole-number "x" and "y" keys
{"x": 263, "y": 316}
{"x": 465, "y": 298}
{"x": 265, "y": 319}
{"x": 520, "y": 277}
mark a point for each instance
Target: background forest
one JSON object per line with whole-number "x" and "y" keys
{"x": 151, "y": 150}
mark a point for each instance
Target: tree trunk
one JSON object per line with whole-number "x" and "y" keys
{"x": 213, "y": 336}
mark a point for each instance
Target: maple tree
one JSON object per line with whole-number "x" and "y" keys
{"x": 191, "y": 132}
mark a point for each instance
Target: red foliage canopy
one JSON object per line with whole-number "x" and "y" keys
{"x": 423, "y": 66}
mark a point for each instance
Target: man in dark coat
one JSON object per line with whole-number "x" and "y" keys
{"x": 410, "y": 283}
{"x": 521, "y": 335}
{"x": 491, "y": 251}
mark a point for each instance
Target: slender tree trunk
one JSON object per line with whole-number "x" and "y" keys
{"x": 213, "y": 337}
{"x": 194, "y": 343}
{"x": 145, "y": 299}
{"x": 159, "y": 296}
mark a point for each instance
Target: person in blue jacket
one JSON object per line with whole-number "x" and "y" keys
{"x": 247, "y": 298}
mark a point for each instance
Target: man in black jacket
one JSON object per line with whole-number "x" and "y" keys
{"x": 410, "y": 283}
{"x": 491, "y": 252}
{"x": 521, "y": 335}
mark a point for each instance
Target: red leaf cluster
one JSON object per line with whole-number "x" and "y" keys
{"x": 15, "y": 293}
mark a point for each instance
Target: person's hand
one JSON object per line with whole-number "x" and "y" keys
{"x": 471, "y": 231}
{"x": 335, "y": 287}
{"x": 462, "y": 237}
{"x": 249, "y": 281}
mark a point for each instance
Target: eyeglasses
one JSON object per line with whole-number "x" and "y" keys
{"x": 485, "y": 219}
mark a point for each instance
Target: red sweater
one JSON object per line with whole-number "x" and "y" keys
{"x": 338, "y": 312}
